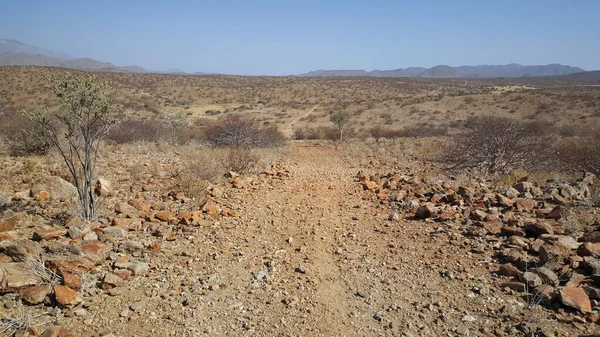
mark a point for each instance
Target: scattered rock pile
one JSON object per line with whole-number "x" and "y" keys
{"x": 53, "y": 266}
{"x": 543, "y": 251}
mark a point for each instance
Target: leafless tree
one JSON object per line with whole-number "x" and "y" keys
{"x": 84, "y": 118}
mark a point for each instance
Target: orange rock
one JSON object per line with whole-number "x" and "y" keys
{"x": 43, "y": 196}
{"x": 210, "y": 206}
{"x": 123, "y": 273}
{"x": 66, "y": 297}
{"x": 141, "y": 206}
{"x": 229, "y": 212}
{"x": 369, "y": 185}
{"x": 164, "y": 215}
{"x": 122, "y": 222}
{"x": 576, "y": 298}
{"x": 238, "y": 183}
{"x": 74, "y": 266}
{"x": 10, "y": 223}
{"x": 155, "y": 247}
{"x": 185, "y": 218}
{"x": 72, "y": 281}
{"x": 49, "y": 233}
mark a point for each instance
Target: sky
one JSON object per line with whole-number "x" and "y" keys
{"x": 269, "y": 37}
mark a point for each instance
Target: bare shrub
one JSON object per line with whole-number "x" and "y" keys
{"x": 581, "y": 153}
{"x": 129, "y": 131}
{"x": 23, "y": 321}
{"x": 413, "y": 132}
{"x": 37, "y": 267}
{"x": 240, "y": 160}
{"x": 499, "y": 144}
{"x": 24, "y": 137}
{"x": 242, "y": 132}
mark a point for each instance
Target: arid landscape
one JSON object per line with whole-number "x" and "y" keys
{"x": 417, "y": 223}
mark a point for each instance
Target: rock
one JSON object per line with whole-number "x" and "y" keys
{"x": 426, "y": 211}
{"x": 468, "y": 318}
{"x": 114, "y": 232}
{"x": 532, "y": 279}
{"x": 510, "y": 270}
{"x": 478, "y": 215}
{"x": 514, "y": 285}
{"x": 556, "y": 213}
{"x": 512, "y": 230}
{"x": 538, "y": 228}
{"x": 5, "y": 198}
{"x": 138, "y": 306}
{"x": 593, "y": 293}
{"x": 102, "y": 187}
{"x": 110, "y": 281}
{"x": 503, "y": 201}
{"x": 72, "y": 281}
{"x": 369, "y": 185}
{"x": 66, "y": 297}
{"x": 553, "y": 253}
{"x": 125, "y": 208}
{"x": 57, "y": 332}
{"x": 76, "y": 265}
{"x": 49, "y": 233}
{"x": 139, "y": 268}
{"x": 525, "y": 204}
{"x": 591, "y": 237}
{"x": 589, "y": 249}
{"x": 10, "y": 223}
{"x": 575, "y": 298}
{"x": 524, "y": 186}
{"x": 122, "y": 222}
{"x": 493, "y": 228}
{"x": 592, "y": 264}
{"x": 301, "y": 269}
{"x": 16, "y": 276}
{"x": 35, "y": 294}
{"x": 57, "y": 188}
{"x": 164, "y": 215}
{"x": 547, "y": 275}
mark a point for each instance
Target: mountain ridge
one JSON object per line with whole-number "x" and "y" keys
{"x": 17, "y": 53}
{"x": 446, "y": 71}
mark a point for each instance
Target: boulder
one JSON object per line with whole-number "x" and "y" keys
{"x": 57, "y": 189}
{"x": 575, "y": 298}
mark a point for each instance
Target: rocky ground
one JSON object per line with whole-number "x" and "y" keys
{"x": 308, "y": 247}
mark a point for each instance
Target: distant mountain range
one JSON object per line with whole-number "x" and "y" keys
{"x": 443, "y": 71}
{"x": 16, "y": 53}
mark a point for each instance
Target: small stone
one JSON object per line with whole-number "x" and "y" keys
{"x": 66, "y": 297}
{"x": 301, "y": 269}
{"x": 469, "y": 318}
{"x": 110, "y": 281}
{"x": 138, "y": 306}
{"x": 49, "y": 233}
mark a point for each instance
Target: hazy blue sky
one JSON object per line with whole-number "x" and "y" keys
{"x": 284, "y": 37}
